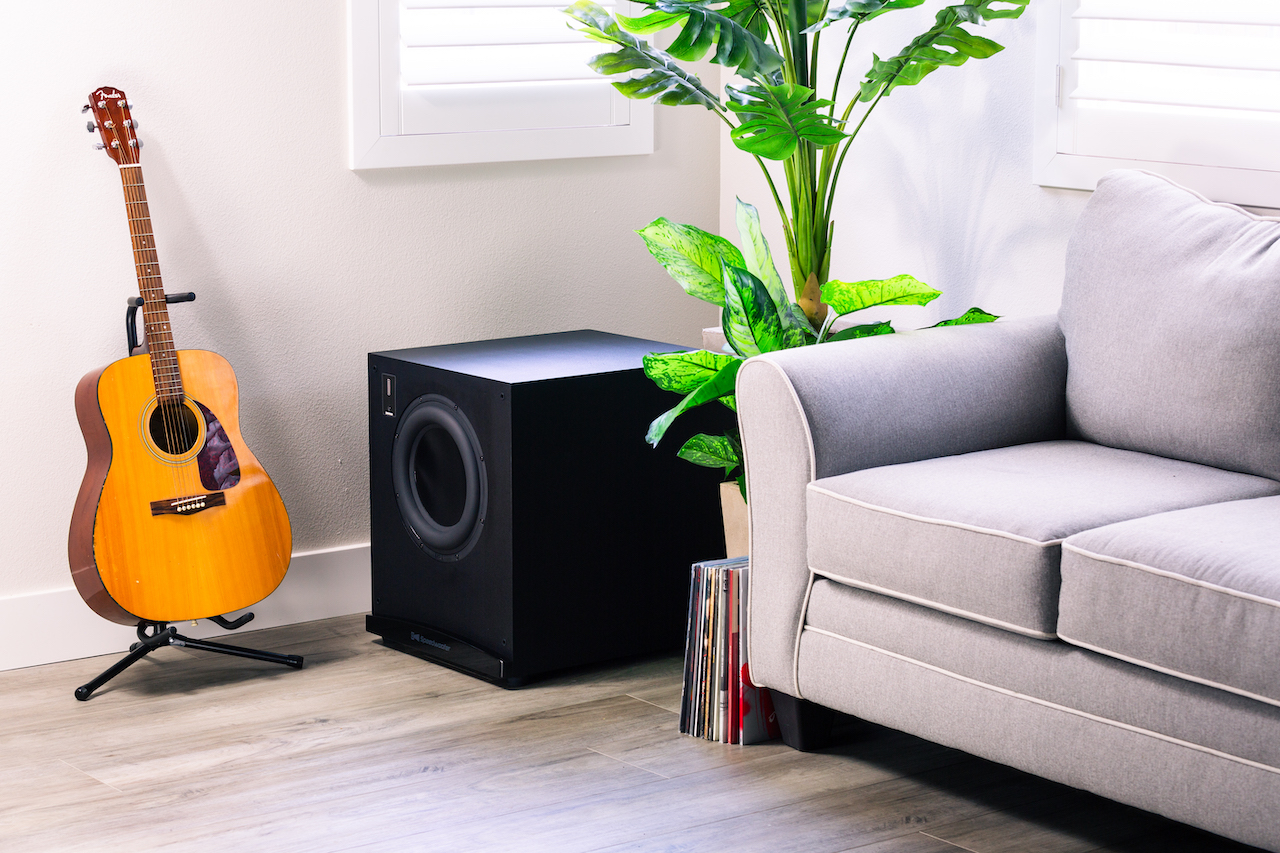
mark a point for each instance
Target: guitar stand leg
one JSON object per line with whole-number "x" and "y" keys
{"x": 165, "y": 635}
{"x": 147, "y": 643}
{"x": 294, "y": 661}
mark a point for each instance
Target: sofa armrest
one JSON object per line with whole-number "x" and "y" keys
{"x": 819, "y": 411}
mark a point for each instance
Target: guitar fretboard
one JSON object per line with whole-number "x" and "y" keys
{"x": 155, "y": 313}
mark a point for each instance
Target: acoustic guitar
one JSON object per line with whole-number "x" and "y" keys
{"x": 175, "y": 518}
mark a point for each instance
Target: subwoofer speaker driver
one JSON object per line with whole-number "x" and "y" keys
{"x": 438, "y": 473}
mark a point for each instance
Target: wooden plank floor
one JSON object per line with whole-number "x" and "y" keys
{"x": 368, "y": 749}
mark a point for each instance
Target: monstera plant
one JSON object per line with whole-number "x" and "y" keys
{"x": 773, "y": 112}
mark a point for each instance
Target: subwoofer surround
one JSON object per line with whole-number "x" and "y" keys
{"x": 434, "y": 444}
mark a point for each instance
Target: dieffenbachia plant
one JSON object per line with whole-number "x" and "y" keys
{"x": 756, "y": 317}
{"x": 774, "y": 113}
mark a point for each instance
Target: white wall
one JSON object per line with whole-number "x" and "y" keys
{"x": 938, "y": 183}
{"x": 301, "y": 266}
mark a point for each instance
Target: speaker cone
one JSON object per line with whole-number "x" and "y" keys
{"x": 437, "y": 469}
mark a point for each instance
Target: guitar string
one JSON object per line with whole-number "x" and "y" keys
{"x": 171, "y": 413}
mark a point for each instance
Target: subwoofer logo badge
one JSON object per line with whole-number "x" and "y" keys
{"x": 418, "y": 638}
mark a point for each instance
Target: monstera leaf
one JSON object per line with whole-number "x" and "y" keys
{"x": 665, "y": 81}
{"x": 737, "y": 46}
{"x": 845, "y": 297}
{"x": 692, "y": 257}
{"x": 945, "y": 43}
{"x": 775, "y": 118}
{"x": 859, "y": 11}
{"x": 748, "y": 14}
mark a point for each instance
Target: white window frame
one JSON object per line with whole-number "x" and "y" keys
{"x": 1055, "y": 168}
{"x": 377, "y": 143}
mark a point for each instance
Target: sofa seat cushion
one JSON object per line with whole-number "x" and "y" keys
{"x": 979, "y": 534}
{"x": 1194, "y": 593}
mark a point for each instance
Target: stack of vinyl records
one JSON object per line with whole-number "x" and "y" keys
{"x": 719, "y": 701}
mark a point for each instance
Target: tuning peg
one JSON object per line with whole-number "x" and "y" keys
{"x": 85, "y": 108}
{"x": 131, "y": 122}
{"x": 91, "y": 127}
{"x": 99, "y": 146}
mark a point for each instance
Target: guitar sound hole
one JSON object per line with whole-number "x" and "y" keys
{"x": 439, "y": 476}
{"x": 173, "y": 428}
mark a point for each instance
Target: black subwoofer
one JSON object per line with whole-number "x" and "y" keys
{"x": 520, "y": 524}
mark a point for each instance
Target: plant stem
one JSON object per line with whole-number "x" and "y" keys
{"x": 835, "y": 89}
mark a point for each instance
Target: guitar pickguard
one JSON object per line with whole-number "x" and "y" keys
{"x": 219, "y": 468}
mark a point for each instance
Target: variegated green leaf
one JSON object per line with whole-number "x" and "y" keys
{"x": 717, "y": 386}
{"x": 712, "y": 451}
{"x": 868, "y": 330}
{"x": 683, "y": 372}
{"x": 693, "y": 257}
{"x": 750, "y": 319}
{"x": 845, "y": 297}
{"x": 973, "y": 315}
{"x": 759, "y": 262}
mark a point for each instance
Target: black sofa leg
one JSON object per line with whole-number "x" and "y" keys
{"x": 805, "y": 725}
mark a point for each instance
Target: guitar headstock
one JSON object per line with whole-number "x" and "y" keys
{"x": 112, "y": 120}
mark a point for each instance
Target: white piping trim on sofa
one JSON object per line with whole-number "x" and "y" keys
{"x": 933, "y": 605}
{"x": 795, "y": 653}
{"x": 1172, "y": 576}
{"x": 804, "y": 418}
{"x": 1004, "y": 534}
{"x": 813, "y": 468}
{"x": 1052, "y": 705}
{"x": 1167, "y": 671}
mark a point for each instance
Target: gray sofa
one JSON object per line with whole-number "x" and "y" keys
{"x": 1052, "y": 542}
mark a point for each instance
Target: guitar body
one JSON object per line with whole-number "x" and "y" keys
{"x": 175, "y": 518}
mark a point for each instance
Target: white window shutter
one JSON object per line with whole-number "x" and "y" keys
{"x": 1188, "y": 89}
{"x": 472, "y": 81}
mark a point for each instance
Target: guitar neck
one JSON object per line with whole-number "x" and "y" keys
{"x": 155, "y": 312}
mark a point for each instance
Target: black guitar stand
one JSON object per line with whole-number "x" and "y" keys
{"x": 161, "y": 633}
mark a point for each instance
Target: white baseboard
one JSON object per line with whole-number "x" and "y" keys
{"x": 57, "y": 625}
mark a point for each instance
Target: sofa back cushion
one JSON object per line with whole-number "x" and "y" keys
{"x": 1171, "y": 315}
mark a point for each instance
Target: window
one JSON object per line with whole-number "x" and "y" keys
{"x": 1187, "y": 88}
{"x": 477, "y": 81}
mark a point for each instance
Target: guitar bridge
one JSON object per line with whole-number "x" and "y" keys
{"x": 188, "y": 505}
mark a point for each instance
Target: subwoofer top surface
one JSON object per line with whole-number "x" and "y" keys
{"x": 535, "y": 358}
